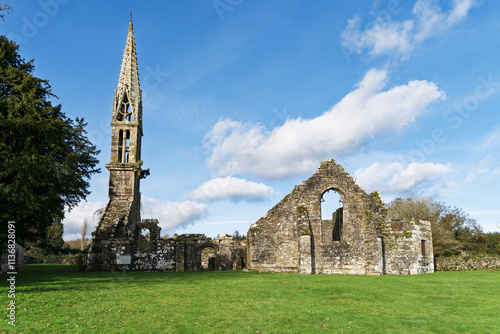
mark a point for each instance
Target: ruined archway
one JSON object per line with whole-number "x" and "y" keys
{"x": 146, "y": 235}
{"x": 332, "y": 213}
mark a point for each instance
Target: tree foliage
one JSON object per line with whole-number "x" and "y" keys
{"x": 237, "y": 236}
{"x": 54, "y": 240}
{"x": 4, "y": 9}
{"x": 46, "y": 159}
{"x": 84, "y": 232}
{"x": 492, "y": 243}
{"x": 453, "y": 230}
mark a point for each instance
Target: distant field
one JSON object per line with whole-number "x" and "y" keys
{"x": 59, "y": 299}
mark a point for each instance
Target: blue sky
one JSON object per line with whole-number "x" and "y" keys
{"x": 244, "y": 99}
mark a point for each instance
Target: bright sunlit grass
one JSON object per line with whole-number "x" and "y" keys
{"x": 59, "y": 299}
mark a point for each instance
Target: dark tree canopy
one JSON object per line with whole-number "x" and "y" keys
{"x": 238, "y": 236}
{"x": 46, "y": 159}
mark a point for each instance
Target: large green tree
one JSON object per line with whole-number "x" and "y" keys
{"x": 46, "y": 159}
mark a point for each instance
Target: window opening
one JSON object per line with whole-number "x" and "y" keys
{"x": 126, "y": 145}
{"x": 424, "y": 253}
{"x": 382, "y": 248}
{"x": 144, "y": 240}
{"x": 332, "y": 212}
{"x": 120, "y": 147}
{"x": 124, "y": 109}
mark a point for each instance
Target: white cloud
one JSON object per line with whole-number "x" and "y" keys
{"x": 173, "y": 214}
{"x": 401, "y": 37}
{"x": 383, "y": 37}
{"x": 299, "y": 145}
{"x": 397, "y": 179}
{"x": 480, "y": 169}
{"x": 491, "y": 141}
{"x": 232, "y": 188}
{"x": 483, "y": 168}
{"x": 73, "y": 220}
{"x": 470, "y": 177}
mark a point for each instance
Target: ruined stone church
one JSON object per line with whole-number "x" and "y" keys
{"x": 292, "y": 237}
{"x": 358, "y": 239}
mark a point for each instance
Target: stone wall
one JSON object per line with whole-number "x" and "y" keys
{"x": 292, "y": 236}
{"x": 407, "y": 247}
{"x": 465, "y": 263}
{"x": 133, "y": 251}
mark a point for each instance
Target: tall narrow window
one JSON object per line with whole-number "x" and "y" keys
{"x": 120, "y": 146}
{"x": 126, "y": 144}
{"x": 123, "y": 146}
{"x": 332, "y": 212}
{"x": 424, "y": 253}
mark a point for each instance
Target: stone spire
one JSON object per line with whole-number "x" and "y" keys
{"x": 128, "y": 97}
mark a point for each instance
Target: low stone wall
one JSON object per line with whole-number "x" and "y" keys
{"x": 467, "y": 263}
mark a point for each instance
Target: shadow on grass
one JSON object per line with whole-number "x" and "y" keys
{"x": 50, "y": 277}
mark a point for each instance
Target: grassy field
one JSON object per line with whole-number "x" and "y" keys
{"x": 59, "y": 299}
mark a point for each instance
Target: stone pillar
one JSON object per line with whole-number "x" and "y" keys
{"x": 305, "y": 254}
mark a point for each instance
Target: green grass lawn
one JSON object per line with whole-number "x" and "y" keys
{"x": 59, "y": 299}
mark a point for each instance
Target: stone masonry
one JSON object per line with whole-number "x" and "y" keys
{"x": 292, "y": 236}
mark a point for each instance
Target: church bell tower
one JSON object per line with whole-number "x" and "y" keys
{"x": 122, "y": 211}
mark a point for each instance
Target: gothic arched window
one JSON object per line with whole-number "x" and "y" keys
{"x": 124, "y": 110}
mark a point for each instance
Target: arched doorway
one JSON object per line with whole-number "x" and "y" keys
{"x": 332, "y": 213}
